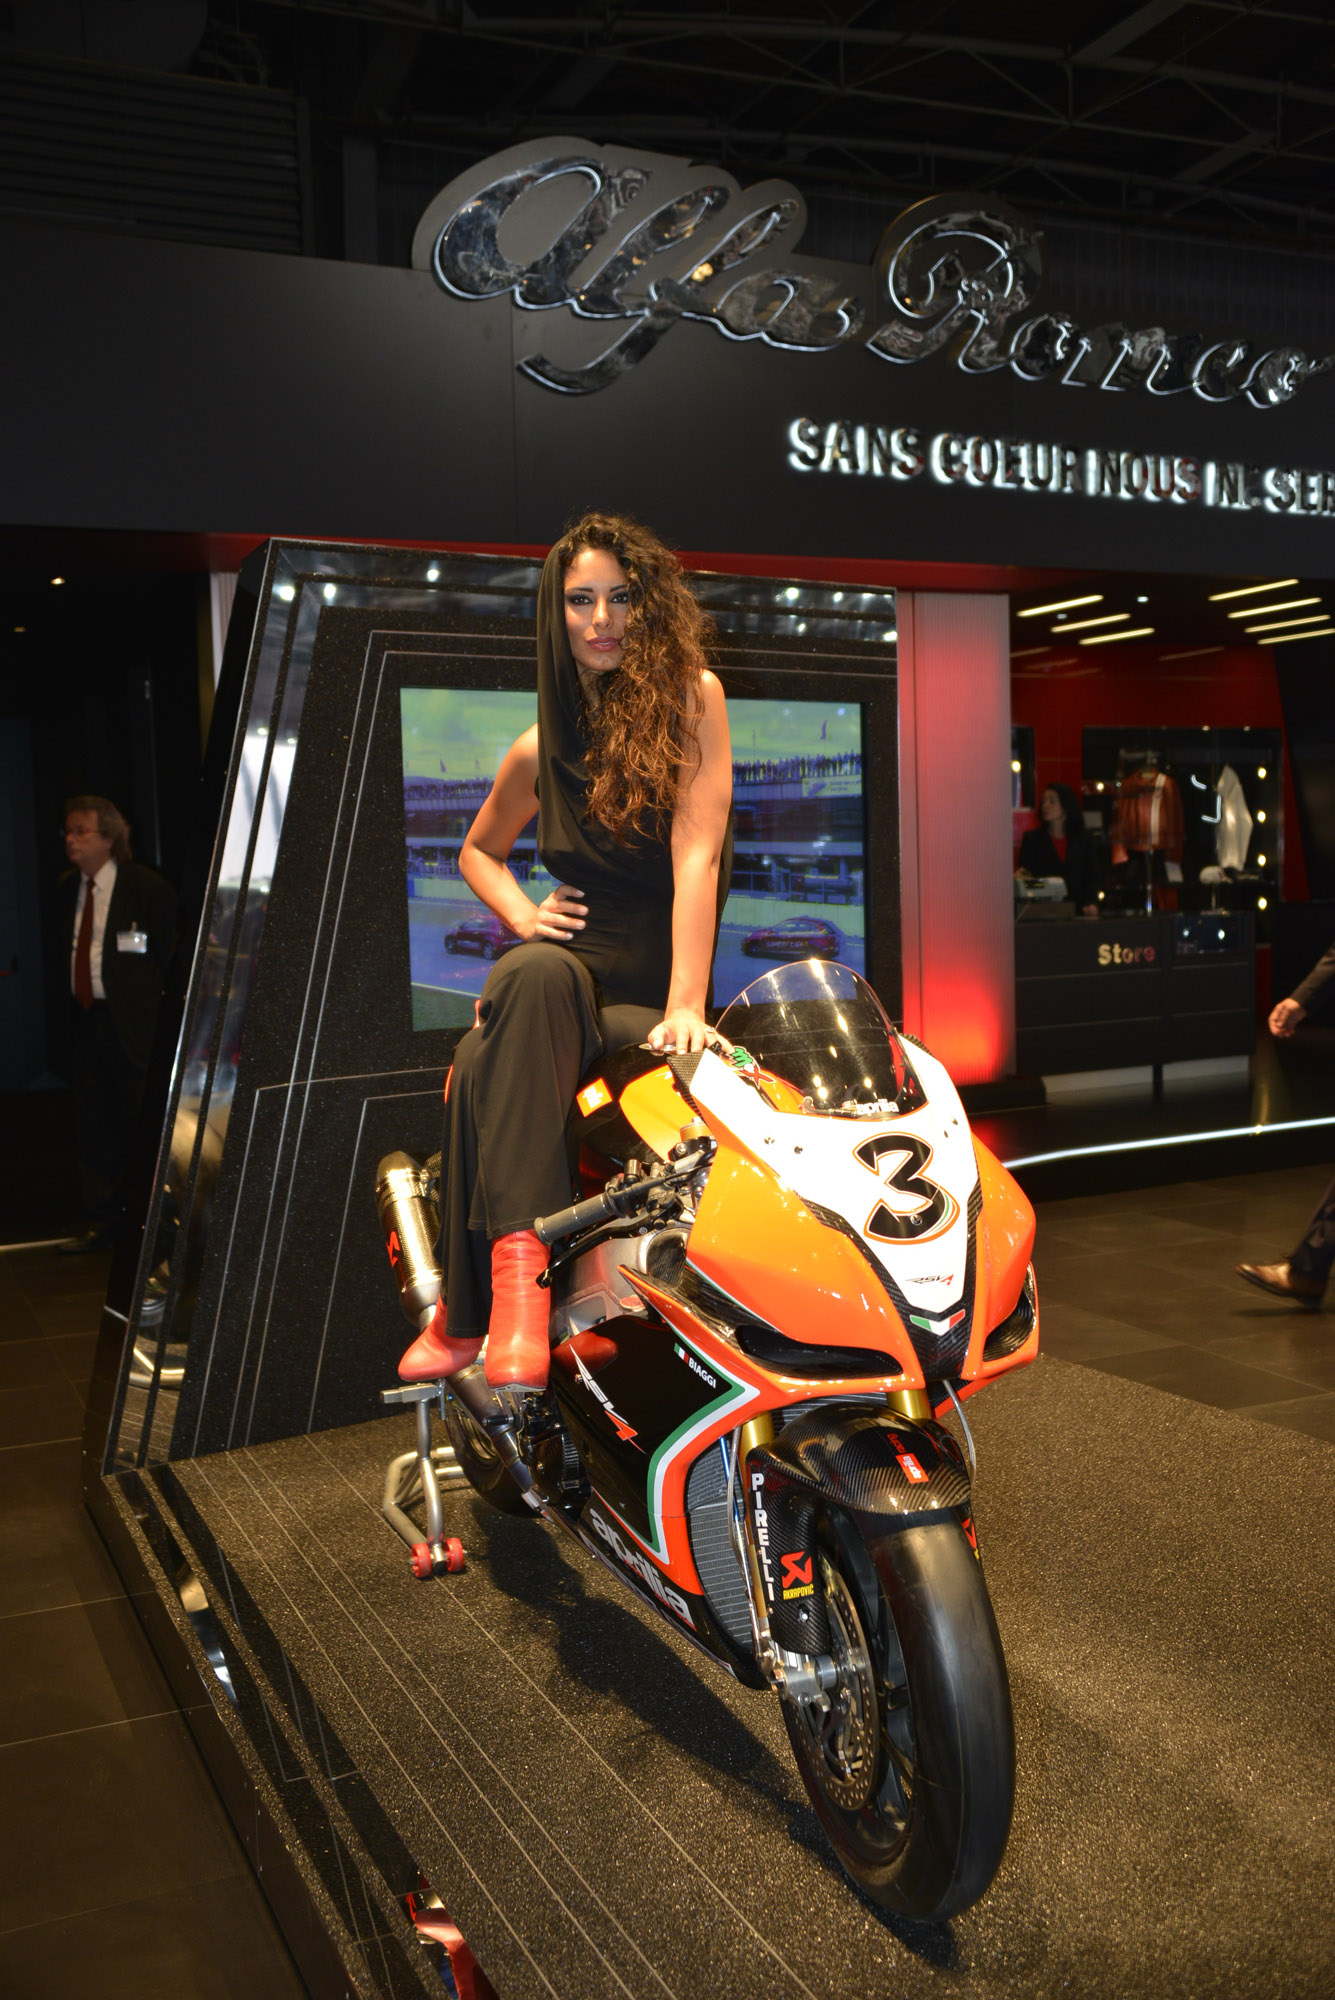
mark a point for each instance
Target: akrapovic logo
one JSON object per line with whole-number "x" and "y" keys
{"x": 797, "y": 1576}
{"x": 640, "y": 1566}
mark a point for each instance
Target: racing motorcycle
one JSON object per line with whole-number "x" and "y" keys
{"x": 792, "y": 1259}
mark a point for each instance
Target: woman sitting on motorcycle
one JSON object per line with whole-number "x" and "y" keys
{"x": 629, "y": 770}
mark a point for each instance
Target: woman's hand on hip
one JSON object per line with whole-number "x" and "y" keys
{"x": 557, "y": 918}
{"x": 683, "y": 1032}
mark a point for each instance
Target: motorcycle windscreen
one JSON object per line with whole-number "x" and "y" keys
{"x": 820, "y": 1027}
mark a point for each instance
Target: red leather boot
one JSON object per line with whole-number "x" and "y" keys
{"x": 434, "y": 1354}
{"x": 517, "y": 1347}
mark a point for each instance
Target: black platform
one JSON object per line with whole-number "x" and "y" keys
{"x": 604, "y": 1813}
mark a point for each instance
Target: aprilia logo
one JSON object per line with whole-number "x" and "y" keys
{"x": 642, "y": 1569}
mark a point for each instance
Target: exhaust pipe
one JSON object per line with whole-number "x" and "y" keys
{"x": 409, "y": 1220}
{"x": 411, "y": 1226}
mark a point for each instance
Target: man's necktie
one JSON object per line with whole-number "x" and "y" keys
{"x": 83, "y": 950}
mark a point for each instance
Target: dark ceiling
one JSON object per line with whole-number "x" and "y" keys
{"x": 1206, "y": 117}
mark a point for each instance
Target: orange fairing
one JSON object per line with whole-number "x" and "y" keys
{"x": 1005, "y": 1245}
{"x": 656, "y": 1109}
{"x": 1005, "y": 1238}
{"x": 761, "y": 1245}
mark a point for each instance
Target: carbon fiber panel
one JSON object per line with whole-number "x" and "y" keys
{"x": 869, "y": 1464}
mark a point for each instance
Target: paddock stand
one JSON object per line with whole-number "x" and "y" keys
{"x": 418, "y": 1475}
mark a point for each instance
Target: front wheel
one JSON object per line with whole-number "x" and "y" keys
{"x": 910, "y": 1761}
{"x": 479, "y": 1461}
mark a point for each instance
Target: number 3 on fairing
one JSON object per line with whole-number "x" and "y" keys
{"x": 936, "y": 1210}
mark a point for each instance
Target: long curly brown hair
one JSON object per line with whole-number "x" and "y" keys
{"x": 642, "y": 731}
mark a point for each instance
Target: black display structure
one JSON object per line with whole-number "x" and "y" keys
{"x": 258, "y": 1307}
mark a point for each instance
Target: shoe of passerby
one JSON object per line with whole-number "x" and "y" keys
{"x": 93, "y": 1243}
{"x": 1283, "y": 1282}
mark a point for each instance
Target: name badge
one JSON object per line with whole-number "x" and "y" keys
{"x": 132, "y": 941}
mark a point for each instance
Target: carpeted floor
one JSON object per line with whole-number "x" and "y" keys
{"x": 606, "y": 1814}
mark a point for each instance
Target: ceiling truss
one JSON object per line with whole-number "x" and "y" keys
{"x": 1214, "y": 117}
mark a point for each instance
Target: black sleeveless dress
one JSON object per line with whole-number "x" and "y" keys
{"x": 547, "y": 1010}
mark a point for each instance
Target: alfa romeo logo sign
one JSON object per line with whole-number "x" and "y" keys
{"x": 645, "y": 240}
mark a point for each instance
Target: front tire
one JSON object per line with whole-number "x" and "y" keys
{"x": 477, "y": 1456}
{"x": 911, "y": 1769}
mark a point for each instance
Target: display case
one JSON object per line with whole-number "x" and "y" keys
{"x": 1217, "y": 838}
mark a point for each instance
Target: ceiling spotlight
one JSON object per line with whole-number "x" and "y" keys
{"x": 1015, "y": 765}
{"x": 1283, "y": 624}
{"x": 792, "y": 593}
{"x": 1135, "y": 632}
{"x": 1267, "y": 610}
{"x": 1086, "y": 624}
{"x": 57, "y": 579}
{"x": 1065, "y": 604}
{"x": 433, "y": 574}
{"x": 1251, "y": 589}
{"x": 1260, "y": 819}
{"x": 1260, "y": 770}
{"x": 20, "y": 628}
{"x": 1142, "y": 600}
{"x": 330, "y": 593}
{"x": 1261, "y": 903}
{"x": 1260, "y": 861}
{"x": 287, "y": 591}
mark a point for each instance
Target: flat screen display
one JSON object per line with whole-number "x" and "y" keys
{"x": 799, "y": 841}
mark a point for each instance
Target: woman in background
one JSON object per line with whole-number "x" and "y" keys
{"x": 629, "y": 770}
{"x": 1060, "y": 845}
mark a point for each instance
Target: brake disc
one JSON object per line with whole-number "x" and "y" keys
{"x": 844, "y": 1727}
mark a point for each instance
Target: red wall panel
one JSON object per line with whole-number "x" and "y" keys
{"x": 955, "y": 830}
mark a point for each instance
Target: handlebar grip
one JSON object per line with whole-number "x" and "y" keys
{"x": 581, "y": 1215}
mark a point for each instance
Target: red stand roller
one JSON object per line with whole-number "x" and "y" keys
{"x": 443, "y": 1558}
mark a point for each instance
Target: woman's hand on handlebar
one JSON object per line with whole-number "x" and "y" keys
{"x": 683, "y": 1032}
{"x": 557, "y": 918}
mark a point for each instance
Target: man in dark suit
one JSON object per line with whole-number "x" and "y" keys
{"x": 1305, "y": 1272}
{"x": 118, "y": 925}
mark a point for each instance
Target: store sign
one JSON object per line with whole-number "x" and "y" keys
{"x": 651, "y": 240}
{"x": 1025, "y": 465}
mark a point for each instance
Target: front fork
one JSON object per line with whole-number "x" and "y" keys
{"x": 804, "y": 1676}
{"x": 788, "y": 1622}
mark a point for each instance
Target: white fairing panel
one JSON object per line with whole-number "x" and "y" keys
{"x": 818, "y": 1157}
